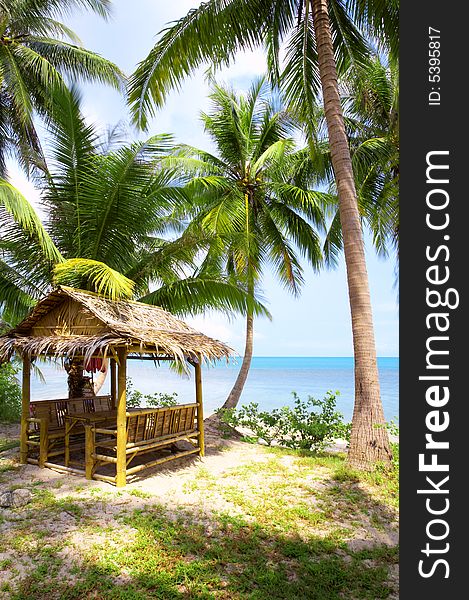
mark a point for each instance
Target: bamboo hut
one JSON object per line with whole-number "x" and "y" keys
{"x": 79, "y": 325}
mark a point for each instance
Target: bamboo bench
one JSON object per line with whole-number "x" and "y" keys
{"x": 146, "y": 430}
{"x": 46, "y": 426}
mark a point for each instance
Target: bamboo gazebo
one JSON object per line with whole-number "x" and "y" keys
{"x": 81, "y": 326}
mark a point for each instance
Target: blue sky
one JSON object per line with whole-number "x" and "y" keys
{"x": 318, "y": 322}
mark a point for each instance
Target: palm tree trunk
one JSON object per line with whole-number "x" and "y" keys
{"x": 369, "y": 441}
{"x": 76, "y": 381}
{"x": 235, "y": 394}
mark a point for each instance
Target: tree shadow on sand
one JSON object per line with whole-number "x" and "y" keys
{"x": 182, "y": 554}
{"x": 157, "y": 548}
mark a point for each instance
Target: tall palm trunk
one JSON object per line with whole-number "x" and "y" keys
{"x": 369, "y": 441}
{"x": 235, "y": 394}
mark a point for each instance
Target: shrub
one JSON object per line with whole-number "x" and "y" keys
{"x": 135, "y": 399}
{"x": 393, "y": 429}
{"x": 310, "y": 430}
{"x": 265, "y": 426}
{"x": 10, "y": 394}
{"x": 298, "y": 426}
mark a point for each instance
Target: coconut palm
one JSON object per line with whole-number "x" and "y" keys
{"x": 35, "y": 56}
{"x": 110, "y": 225}
{"x": 253, "y": 197}
{"x": 322, "y": 40}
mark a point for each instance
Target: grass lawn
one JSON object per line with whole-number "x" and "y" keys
{"x": 246, "y": 522}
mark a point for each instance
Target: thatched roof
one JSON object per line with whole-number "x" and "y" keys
{"x": 71, "y": 322}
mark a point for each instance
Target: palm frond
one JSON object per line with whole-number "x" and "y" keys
{"x": 274, "y": 153}
{"x": 380, "y": 19}
{"x": 14, "y": 302}
{"x": 299, "y": 231}
{"x": 47, "y": 27}
{"x": 78, "y": 63}
{"x": 309, "y": 202}
{"x": 333, "y": 242}
{"x": 18, "y": 89}
{"x": 193, "y": 296}
{"x": 25, "y": 216}
{"x": 281, "y": 20}
{"x": 300, "y": 79}
{"x": 39, "y": 70}
{"x": 26, "y": 9}
{"x": 97, "y": 276}
{"x": 281, "y": 254}
{"x": 213, "y": 33}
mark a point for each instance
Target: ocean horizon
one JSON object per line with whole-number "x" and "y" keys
{"x": 270, "y": 383}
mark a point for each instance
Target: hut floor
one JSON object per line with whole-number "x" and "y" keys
{"x": 77, "y": 460}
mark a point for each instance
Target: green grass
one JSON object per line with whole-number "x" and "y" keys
{"x": 171, "y": 558}
{"x": 47, "y": 500}
{"x": 140, "y": 494}
{"x": 6, "y": 444}
{"x": 273, "y": 529}
{"x": 7, "y": 465}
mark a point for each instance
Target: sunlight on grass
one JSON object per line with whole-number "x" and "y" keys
{"x": 275, "y": 528}
{"x": 7, "y": 444}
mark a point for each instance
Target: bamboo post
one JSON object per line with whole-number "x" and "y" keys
{"x": 43, "y": 442}
{"x": 113, "y": 382}
{"x": 121, "y": 418}
{"x": 200, "y": 408}
{"x": 89, "y": 451}
{"x": 25, "y": 399}
{"x": 68, "y": 427}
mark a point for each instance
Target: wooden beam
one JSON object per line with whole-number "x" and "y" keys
{"x": 43, "y": 442}
{"x": 25, "y": 400}
{"x": 113, "y": 382}
{"x": 146, "y": 411}
{"x": 200, "y": 407}
{"x": 121, "y": 418}
{"x": 89, "y": 451}
{"x": 160, "y": 461}
{"x": 106, "y": 478}
{"x": 62, "y": 469}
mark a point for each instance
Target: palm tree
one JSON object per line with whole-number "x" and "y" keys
{"x": 110, "y": 226}
{"x": 110, "y": 215}
{"x": 34, "y": 59}
{"x": 322, "y": 41}
{"x": 253, "y": 198}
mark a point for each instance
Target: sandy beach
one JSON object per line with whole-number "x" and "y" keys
{"x": 76, "y": 521}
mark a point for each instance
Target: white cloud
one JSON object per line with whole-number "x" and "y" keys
{"x": 246, "y": 64}
{"x": 218, "y": 326}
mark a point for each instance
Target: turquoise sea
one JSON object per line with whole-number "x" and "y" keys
{"x": 270, "y": 383}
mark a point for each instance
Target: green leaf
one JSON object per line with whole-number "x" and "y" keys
{"x": 25, "y": 216}
{"x": 213, "y": 33}
{"x": 94, "y": 275}
{"x": 193, "y": 296}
